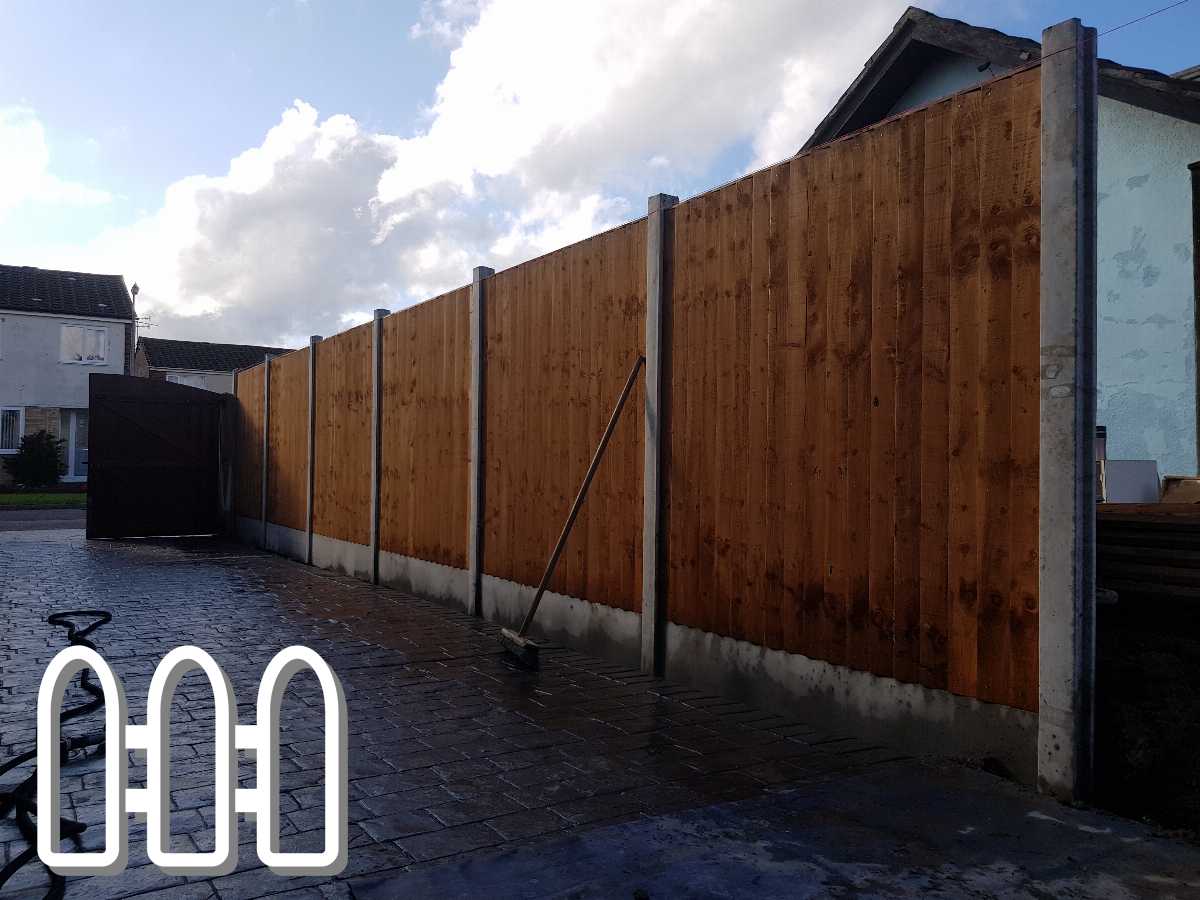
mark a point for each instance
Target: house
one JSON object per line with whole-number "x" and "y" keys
{"x": 56, "y": 329}
{"x": 1148, "y": 134}
{"x": 197, "y": 364}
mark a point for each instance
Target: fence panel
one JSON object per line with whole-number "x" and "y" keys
{"x": 342, "y": 470}
{"x": 424, "y": 485}
{"x": 854, "y": 439}
{"x": 562, "y": 333}
{"x": 249, "y": 442}
{"x": 287, "y": 441}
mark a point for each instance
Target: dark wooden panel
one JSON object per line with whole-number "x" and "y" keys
{"x": 153, "y": 458}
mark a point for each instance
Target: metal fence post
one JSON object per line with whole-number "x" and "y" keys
{"x": 1067, "y": 481}
{"x": 376, "y": 433}
{"x": 312, "y": 445}
{"x": 478, "y": 428}
{"x": 659, "y": 237}
{"x": 265, "y": 444}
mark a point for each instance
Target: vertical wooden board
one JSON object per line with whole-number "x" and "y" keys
{"x": 743, "y": 440}
{"x": 395, "y": 475}
{"x": 708, "y": 410}
{"x": 837, "y": 386}
{"x": 816, "y": 402}
{"x": 761, "y": 600}
{"x": 499, "y": 415}
{"x": 964, "y": 538}
{"x": 884, "y": 288}
{"x": 250, "y": 426}
{"x": 797, "y": 463}
{"x": 630, "y": 265}
{"x": 686, "y": 445}
{"x": 1024, "y": 423}
{"x": 997, "y": 212}
{"x": 910, "y": 232}
{"x": 725, "y": 419}
{"x": 935, "y": 356}
{"x": 779, "y": 458}
{"x": 536, "y": 499}
{"x": 342, "y": 483}
{"x": 860, "y": 178}
{"x": 287, "y": 486}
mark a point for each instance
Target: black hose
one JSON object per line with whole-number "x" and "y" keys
{"x": 22, "y": 797}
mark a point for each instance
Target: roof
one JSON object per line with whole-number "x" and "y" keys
{"x": 921, "y": 38}
{"x": 29, "y": 289}
{"x": 203, "y": 357}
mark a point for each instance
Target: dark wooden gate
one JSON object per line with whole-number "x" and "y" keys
{"x": 155, "y": 458}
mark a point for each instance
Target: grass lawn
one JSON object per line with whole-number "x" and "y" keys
{"x": 35, "y": 500}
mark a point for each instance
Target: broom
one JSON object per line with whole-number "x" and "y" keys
{"x": 524, "y": 651}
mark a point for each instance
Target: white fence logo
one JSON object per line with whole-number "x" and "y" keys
{"x": 260, "y": 739}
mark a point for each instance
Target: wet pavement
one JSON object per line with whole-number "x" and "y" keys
{"x": 471, "y": 778}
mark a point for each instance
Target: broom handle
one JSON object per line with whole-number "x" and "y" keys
{"x": 579, "y": 498}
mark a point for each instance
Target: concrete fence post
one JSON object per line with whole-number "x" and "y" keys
{"x": 659, "y": 239}
{"x": 478, "y": 429}
{"x": 376, "y": 433}
{"x": 235, "y": 463}
{"x": 312, "y": 446}
{"x": 266, "y": 443}
{"x": 1067, "y": 519}
{"x": 1194, "y": 168}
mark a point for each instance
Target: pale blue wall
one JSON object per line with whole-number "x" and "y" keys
{"x": 1147, "y": 339}
{"x": 941, "y": 79}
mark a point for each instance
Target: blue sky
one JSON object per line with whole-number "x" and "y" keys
{"x": 129, "y": 116}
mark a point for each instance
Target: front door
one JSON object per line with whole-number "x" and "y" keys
{"x": 75, "y": 428}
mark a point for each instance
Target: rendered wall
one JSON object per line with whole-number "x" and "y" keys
{"x": 1147, "y": 338}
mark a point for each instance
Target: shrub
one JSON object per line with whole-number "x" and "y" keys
{"x": 39, "y": 461}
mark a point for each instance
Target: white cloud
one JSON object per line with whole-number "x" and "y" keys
{"x": 25, "y": 174}
{"x": 554, "y": 120}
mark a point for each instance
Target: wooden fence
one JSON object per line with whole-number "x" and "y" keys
{"x": 852, "y": 456}
{"x": 854, "y": 439}
{"x": 562, "y": 332}
{"x": 425, "y": 441}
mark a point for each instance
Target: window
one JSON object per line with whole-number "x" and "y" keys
{"x": 196, "y": 381}
{"x": 84, "y": 344}
{"x": 12, "y": 426}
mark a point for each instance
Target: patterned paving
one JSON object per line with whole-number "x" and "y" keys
{"x": 452, "y": 751}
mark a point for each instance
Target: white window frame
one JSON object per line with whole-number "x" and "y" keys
{"x": 178, "y": 378}
{"x": 102, "y": 329}
{"x": 20, "y": 410}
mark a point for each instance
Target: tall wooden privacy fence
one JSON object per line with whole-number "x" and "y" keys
{"x": 850, "y": 370}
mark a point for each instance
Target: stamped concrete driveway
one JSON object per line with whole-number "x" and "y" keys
{"x": 470, "y": 778}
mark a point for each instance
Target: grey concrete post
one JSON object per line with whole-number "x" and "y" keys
{"x": 659, "y": 239}
{"x": 234, "y": 463}
{"x": 376, "y": 433}
{"x": 478, "y": 430}
{"x": 313, "y": 340}
{"x": 1067, "y": 521}
{"x": 1195, "y": 170}
{"x": 265, "y": 443}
